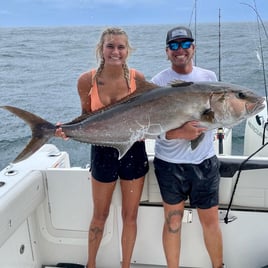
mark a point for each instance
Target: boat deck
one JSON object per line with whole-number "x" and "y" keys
{"x": 132, "y": 266}
{"x": 154, "y": 266}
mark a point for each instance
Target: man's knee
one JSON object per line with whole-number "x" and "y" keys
{"x": 173, "y": 220}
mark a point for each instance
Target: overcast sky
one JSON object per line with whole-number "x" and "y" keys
{"x": 125, "y": 12}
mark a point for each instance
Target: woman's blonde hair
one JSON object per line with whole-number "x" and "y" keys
{"x": 99, "y": 51}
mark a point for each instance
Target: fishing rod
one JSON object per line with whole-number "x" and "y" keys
{"x": 226, "y": 219}
{"x": 194, "y": 13}
{"x": 195, "y": 29}
{"x": 260, "y": 23}
{"x": 258, "y": 119}
{"x": 219, "y": 44}
{"x": 220, "y": 131}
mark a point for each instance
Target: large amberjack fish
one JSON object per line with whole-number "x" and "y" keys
{"x": 149, "y": 112}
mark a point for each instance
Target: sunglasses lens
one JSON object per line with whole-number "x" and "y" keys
{"x": 176, "y": 45}
{"x": 186, "y": 44}
{"x": 173, "y": 46}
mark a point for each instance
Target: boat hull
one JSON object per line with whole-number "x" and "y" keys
{"x": 46, "y": 207}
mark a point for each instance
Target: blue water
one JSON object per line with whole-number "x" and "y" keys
{"x": 40, "y": 66}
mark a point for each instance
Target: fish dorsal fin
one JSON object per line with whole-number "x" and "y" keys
{"x": 180, "y": 83}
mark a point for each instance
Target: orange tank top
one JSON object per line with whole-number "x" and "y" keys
{"x": 94, "y": 94}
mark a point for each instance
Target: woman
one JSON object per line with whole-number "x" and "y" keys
{"x": 109, "y": 83}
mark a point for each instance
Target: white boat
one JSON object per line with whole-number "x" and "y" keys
{"x": 46, "y": 207}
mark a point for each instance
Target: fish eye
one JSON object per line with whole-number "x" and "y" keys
{"x": 241, "y": 95}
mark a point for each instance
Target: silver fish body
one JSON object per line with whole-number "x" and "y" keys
{"x": 148, "y": 113}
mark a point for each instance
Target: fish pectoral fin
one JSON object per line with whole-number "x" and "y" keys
{"x": 208, "y": 115}
{"x": 195, "y": 142}
{"x": 122, "y": 148}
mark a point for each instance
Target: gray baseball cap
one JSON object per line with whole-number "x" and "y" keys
{"x": 179, "y": 33}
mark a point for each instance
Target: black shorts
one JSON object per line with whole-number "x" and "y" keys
{"x": 105, "y": 166}
{"x": 199, "y": 183}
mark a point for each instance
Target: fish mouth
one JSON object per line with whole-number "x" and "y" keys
{"x": 255, "y": 107}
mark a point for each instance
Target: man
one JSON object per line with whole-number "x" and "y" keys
{"x": 182, "y": 172}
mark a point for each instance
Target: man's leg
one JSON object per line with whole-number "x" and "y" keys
{"x": 209, "y": 219}
{"x": 172, "y": 233}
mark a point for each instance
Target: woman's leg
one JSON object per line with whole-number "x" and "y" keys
{"x": 131, "y": 194}
{"x": 102, "y": 195}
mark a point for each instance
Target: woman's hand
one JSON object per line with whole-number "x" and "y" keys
{"x": 59, "y": 132}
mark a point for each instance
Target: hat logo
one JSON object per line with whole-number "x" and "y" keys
{"x": 179, "y": 32}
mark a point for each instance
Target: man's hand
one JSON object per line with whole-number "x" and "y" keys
{"x": 189, "y": 131}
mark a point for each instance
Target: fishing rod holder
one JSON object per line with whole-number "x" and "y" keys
{"x": 220, "y": 137}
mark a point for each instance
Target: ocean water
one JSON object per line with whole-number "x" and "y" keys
{"x": 40, "y": 66}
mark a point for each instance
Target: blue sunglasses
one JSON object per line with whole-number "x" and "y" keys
{"x": 176, "y": 45}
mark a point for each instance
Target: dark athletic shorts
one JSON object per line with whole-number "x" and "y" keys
{"x": 105, "y": 166}
{"x": 199, "y": 182}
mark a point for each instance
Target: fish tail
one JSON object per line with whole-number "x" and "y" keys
{"x": 42, "y": 131}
